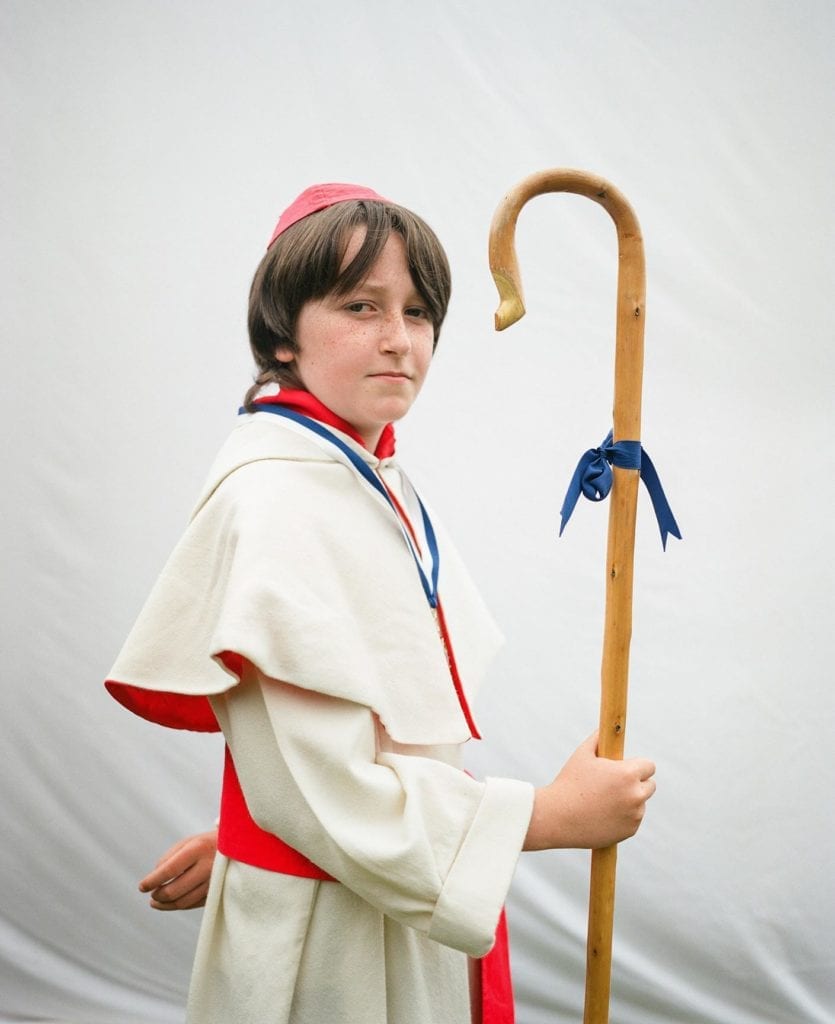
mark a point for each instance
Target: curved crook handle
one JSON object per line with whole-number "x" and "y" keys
{"x": 631, "y": 278}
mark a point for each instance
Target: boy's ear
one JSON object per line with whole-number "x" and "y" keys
{"x": 284, "y": 354}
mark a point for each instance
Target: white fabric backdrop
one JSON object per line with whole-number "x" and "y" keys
{"x": 148, "y": 149}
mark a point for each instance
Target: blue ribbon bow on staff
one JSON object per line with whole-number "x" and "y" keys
{"x": 593, "y": 478}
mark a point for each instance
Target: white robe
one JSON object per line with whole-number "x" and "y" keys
{"x": 345, "y": 730}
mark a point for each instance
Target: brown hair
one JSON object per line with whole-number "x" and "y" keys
{"x": 304, "y": 263}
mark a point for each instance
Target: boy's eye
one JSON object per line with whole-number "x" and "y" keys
{"x": 418, "y": 312}
{"x": 358, "y": 307}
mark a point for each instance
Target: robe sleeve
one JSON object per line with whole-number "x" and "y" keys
{"x": 412, "y": 835}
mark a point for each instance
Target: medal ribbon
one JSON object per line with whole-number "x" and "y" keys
{"x": 428, "y": 564}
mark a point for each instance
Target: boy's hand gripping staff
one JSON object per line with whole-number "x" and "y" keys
{"x": 594, "y": 477}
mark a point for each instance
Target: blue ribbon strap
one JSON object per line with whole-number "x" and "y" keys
{"x": 430, "y": 583}
{"x": 593, "y": 478}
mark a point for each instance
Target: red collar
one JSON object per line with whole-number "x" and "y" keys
{"x": 309, "y": 405}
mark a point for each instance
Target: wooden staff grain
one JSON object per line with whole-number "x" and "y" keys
{"x": 617, "y": 630}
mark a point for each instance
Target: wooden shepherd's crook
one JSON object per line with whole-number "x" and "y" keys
{"x": 629, "y": 358}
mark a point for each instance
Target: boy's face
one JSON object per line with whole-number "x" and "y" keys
{"x": 365, "y": 354}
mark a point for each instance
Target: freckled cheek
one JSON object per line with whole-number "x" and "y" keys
{"x": 328, "y": 374}
{"x": 349, "y": 347}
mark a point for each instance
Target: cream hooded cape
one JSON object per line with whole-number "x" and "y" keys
{"x": 345, "y": 729}
{"x": 289, "y": 563}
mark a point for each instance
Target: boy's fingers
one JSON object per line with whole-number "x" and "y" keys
{"x": 188, "y": 900}
{"x": 175, "y": 889}
{"x": 178, "y": 860}
{"x": 158, "y": 877}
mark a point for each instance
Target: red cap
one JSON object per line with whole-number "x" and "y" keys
{"x": 319, "y": 197}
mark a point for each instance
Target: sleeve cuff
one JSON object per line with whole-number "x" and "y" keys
{"x": 468, "y": 908}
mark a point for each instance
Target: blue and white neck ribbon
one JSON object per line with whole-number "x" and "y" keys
{"x": 593, "y": 478}
{"x": 428, "y": 560}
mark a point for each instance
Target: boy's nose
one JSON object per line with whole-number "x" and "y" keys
{"x": 396, "y": 335}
